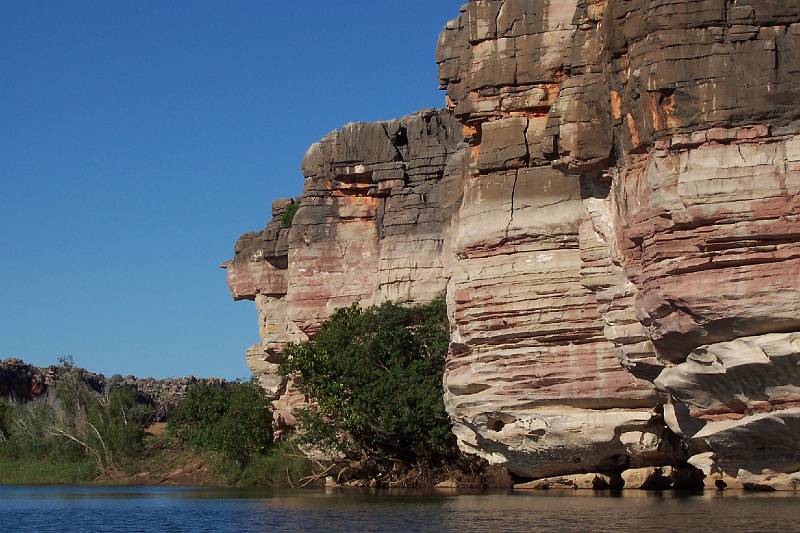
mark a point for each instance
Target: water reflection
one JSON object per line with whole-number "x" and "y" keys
{"x": 175, "y": 509}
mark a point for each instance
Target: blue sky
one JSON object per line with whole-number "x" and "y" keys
{"x": 139, "y": 138}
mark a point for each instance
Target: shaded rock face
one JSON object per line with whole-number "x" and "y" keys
{"x": 612, "y": 203}
{"x": 20, "y": 381}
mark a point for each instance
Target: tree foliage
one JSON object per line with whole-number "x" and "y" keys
{"x": 375, "y": 377}
{"x": 233, "y": 419}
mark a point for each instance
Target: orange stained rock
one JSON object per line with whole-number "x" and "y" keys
{"x": 633, "y": 131}
{"x": 616, "y": 105}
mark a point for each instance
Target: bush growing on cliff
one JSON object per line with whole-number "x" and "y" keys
{"x": 288, "y": 215}
{"x": 375, "y": 376}
{"x": 233, "y": 419}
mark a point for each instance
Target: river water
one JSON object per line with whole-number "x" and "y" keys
{"x": 149, "y": 509}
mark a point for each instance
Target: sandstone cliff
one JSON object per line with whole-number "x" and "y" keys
{"x": 611, "y": 201}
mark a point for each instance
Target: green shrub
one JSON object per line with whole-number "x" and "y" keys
{"x": 288, "y": 215}
{"x": 231, "y": 418}
{"x": 39, "y": 431}
{"x": 32, "y": 435}
{"x": 73, "y": 423}
{"x": 120, "y": 422}
{"x": 284, "y": 464}
{"x": 107, "y": 427}
{"x": 375, "y": 376}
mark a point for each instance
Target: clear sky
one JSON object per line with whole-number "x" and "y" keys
{"x": 139, "y": 138}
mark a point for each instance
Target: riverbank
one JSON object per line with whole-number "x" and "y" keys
{"x": 164, "y": 466}
{"x": 34, "y": 472}
{"x": 165, "y": 461}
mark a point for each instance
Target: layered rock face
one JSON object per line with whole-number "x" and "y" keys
{"x": 532, "y": 378}
{"x": 371, "y": 227}
{"x": 612, "y": 203}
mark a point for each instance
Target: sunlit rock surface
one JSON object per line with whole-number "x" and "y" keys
{"x": 611, "y": 202}
{"x": 371, "y": 227}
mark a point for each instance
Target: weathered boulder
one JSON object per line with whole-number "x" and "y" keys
{"x": 713, "y": 477}
{"x": 574, "y": 481}
{"x": 650, "y": 478}
{"x": 769, "y": 481}
{"x": 746, "y": 395}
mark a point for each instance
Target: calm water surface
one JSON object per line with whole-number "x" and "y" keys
{"x": 169, "y": 509}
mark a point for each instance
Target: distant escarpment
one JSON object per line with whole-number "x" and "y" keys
{"x": 611, "y": 202}
{"x": 21, "y": 382}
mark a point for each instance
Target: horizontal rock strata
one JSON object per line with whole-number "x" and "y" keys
{"x": 371, "y": 227}
{"x": 611, "y": 201}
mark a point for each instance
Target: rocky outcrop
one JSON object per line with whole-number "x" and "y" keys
{"x": 742, "y": 399}
{"x": 574, "y": 482}
{"x": 611, "y": 202}
{"x": 22, "y": 382}
{"x": 533, "y": 379}
{"x": 372, "y": 226}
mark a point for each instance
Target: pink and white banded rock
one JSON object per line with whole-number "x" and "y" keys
{"x": 611, "y": 202}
